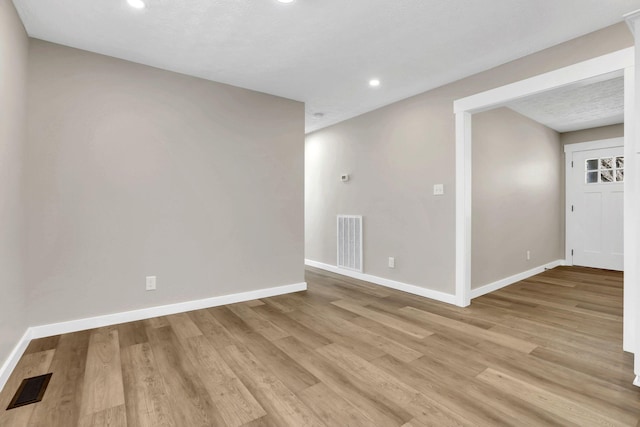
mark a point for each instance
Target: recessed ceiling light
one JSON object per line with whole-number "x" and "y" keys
{"x": 136, "y": 4}
{"x": 374, "y": 82}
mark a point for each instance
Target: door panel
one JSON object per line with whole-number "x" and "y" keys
{"x": 591, "y": 224}
{"x": 617, "y": 226}
{"x": 595, "y": 192}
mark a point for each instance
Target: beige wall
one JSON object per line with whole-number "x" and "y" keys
{"x": 134, "y": 171}
{"x": 594, "y": 134}
{"x": 396, "y": 154}
{"x": 13, "y": 67}
{"x": 516, "y": 197}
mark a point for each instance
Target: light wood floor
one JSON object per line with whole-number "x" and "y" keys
{"x": 546, "y": 351}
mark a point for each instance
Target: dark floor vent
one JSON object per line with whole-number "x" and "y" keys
{"x": 31, "y": 390}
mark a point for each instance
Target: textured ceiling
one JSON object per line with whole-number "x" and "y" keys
{"x": 581, "y": 106}
{"x": 322, "y": 52}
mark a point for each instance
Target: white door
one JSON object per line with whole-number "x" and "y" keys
{"x": 595, "y": 196}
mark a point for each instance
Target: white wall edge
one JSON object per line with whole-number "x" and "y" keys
{"x": 630, "y": 289}
{"x": 630, "y": 18}
{"x": 164, "y": 310}
{"x": 463, "y": 208}
{"x": 608, "y": 63}
{"x": 10, "y": 364}
{"x": 491, "y": 287}
{"x": 388, "y": 283}
{"x": 594, "y": 145}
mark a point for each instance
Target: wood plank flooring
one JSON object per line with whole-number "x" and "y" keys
{"x": 545, "y": 351}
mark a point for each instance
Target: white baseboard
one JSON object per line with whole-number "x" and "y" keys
{"x": 163, "y": 310}
{"x": 636, "y": 381}
{"x": 491, "y": 287}
{"x": 405, "y": 287}
{"x": 9, "y": 365}
{"x": 42, "y": 331}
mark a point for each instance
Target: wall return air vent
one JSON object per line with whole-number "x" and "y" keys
{"x": 350, "y": 242}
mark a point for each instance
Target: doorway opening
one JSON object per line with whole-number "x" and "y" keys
{"x": 620, "y": 62}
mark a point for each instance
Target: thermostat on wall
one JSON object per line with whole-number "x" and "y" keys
{"x": 344, "y": 177}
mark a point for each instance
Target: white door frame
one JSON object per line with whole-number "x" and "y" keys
{"x": 569, "y": 149}
{"x": 621, "y": 61}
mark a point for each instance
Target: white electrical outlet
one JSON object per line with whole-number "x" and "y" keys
{"x": 392, "y": 262}
{"x": 528, "y": 255}
{"x": 438, "y": 189}
{"x": 151, "y": 283}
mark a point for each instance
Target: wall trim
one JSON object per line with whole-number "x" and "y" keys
{"x": 608, "y": 63}
{"x": 388, "y": 283}
{"x": 10, "y": 363}
{"x": 42, "y": 331}
{"x": 594, "y": 145}
{"x": 630, "y": 290}
{"x": 499, "y": 284}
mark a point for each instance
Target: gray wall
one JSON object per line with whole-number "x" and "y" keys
{"x": 13, "y": 67}
{"x": 516, "y": 197}
{"x": 396, "y": 154}
{"x": 594, "y": 134}
{"x": 134, "y": 171}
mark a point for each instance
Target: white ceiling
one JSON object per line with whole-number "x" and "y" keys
{"x": 580, "y": 106}
{"x": 322, "y": 52}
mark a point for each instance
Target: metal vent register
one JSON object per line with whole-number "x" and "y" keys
{"x": 31, "y": 390}
{"x": 350, "y": 242}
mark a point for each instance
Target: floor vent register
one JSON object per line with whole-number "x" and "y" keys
{"x": 31, "y": 390}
